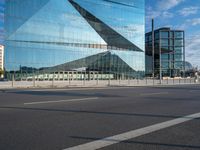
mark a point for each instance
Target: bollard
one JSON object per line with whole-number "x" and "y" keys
{"x": 34, "y": 80}
{"x": 68, "y": 77}
{"x": 109, "y": 81}
{"x": 97, "y": 83}
{"x": 53, "y": 80}
{"x": 84, "y": 78}
{"x": 13, "y": 78}
{"x": 153, "y": 81}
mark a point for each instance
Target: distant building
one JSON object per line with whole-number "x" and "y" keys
{"x": 188, "y": 66}
{"x": 169, "y": 52}
{"x": 1, "y": 58}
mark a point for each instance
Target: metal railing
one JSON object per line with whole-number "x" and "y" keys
{"x": 54, "y": 83}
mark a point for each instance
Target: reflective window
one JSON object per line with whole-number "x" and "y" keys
{"x": 156, "y": 35}
{"x": 178, "y": 50}
{"x": 178, "y": 34}
{"x": 178, "y": 42}
{"x": 165, "y": 42}
{"x": 164, "y": 34}
{"x": 171, "y": 34}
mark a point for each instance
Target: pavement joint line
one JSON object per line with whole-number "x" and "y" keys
{"x": 71, "y": 89}
{"x": 194, "y": 91}
{"x": 148, "y": 94}
{"x": 133, "y": 134}
{"x": 59, "y": 101}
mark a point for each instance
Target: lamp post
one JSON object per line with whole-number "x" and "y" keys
{"x": 160, "y": 56}
{"x": 153, "y": 49}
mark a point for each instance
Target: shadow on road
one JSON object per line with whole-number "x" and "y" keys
{"x": 98, "y": 112}
{"x": 56, "y": 93}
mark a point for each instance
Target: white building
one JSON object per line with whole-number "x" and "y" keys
{"x": 1, "y": 58}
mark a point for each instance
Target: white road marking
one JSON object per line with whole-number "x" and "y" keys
{"x": 58, "y": 101}
{"x": 133, "y": 134}
{"x": 149, "y": 94}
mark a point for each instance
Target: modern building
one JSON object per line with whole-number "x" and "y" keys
{"x": 1, "y": 60}
{"x": 74, "y": 39}
{"x": 188, "y": 66}
{"x": 169, "y": 53}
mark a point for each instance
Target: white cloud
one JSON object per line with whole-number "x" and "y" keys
{"x": 188, "y": 23}
{"x": 156, "y": 13}
{"x": 189, "y": 11}
{"x": 193, "y": 49}
{"x": 168, "y": 4}
{"x": 194, "y": 22}
{"x": 162, "y": 9}
{"x": 167, "y": 14}
{"x": 150, "y": 13}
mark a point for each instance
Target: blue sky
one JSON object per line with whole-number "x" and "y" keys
{"x": 177, "y": 14}
{"x": 1, "y": 19}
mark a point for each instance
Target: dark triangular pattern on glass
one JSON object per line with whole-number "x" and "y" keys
{"x": 105, "y": 62}
{"x": 110, "y": 36}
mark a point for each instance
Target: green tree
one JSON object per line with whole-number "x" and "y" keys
{"x": 1, "y": 72}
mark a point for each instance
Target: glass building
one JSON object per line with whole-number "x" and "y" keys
{"x": 169, "y": 52}
{"x": 74, "y": 39}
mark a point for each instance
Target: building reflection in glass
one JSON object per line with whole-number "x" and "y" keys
{"x": 67, "y": 37}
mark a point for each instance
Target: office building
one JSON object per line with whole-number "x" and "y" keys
{"x": 74, "y": 39}
{"x": 169, "y": 53}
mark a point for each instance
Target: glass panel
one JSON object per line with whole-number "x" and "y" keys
{"x": 165, "y": 64}
{"x": 178, "y": 42}
{"x": 156, "y": 35}
{"x": 164, "y": 42}
{"x": 178, "y": 50}
{"x": 165, "y": 49}
{"x": 177, "y": 57}
{"x": 150, "y": 37}
{"x": 146, "y": 38}
{"x": 178, "y": 34}
{"x": 171, "y": 34}
{"x": 178, "y": 65}
{"x": 164, "y": 34}
{"x": 171, "y": 42}
{"x": 165, "y": 57}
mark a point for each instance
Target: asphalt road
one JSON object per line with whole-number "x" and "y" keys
{"x": 59, "y": 119}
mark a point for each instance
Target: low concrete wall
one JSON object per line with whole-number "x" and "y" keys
{"x": 94, "y": 83}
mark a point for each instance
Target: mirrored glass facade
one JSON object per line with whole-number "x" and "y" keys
{"x": 82, "y": 37}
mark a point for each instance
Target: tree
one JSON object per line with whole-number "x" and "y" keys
{"x": 1, "y": 72}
